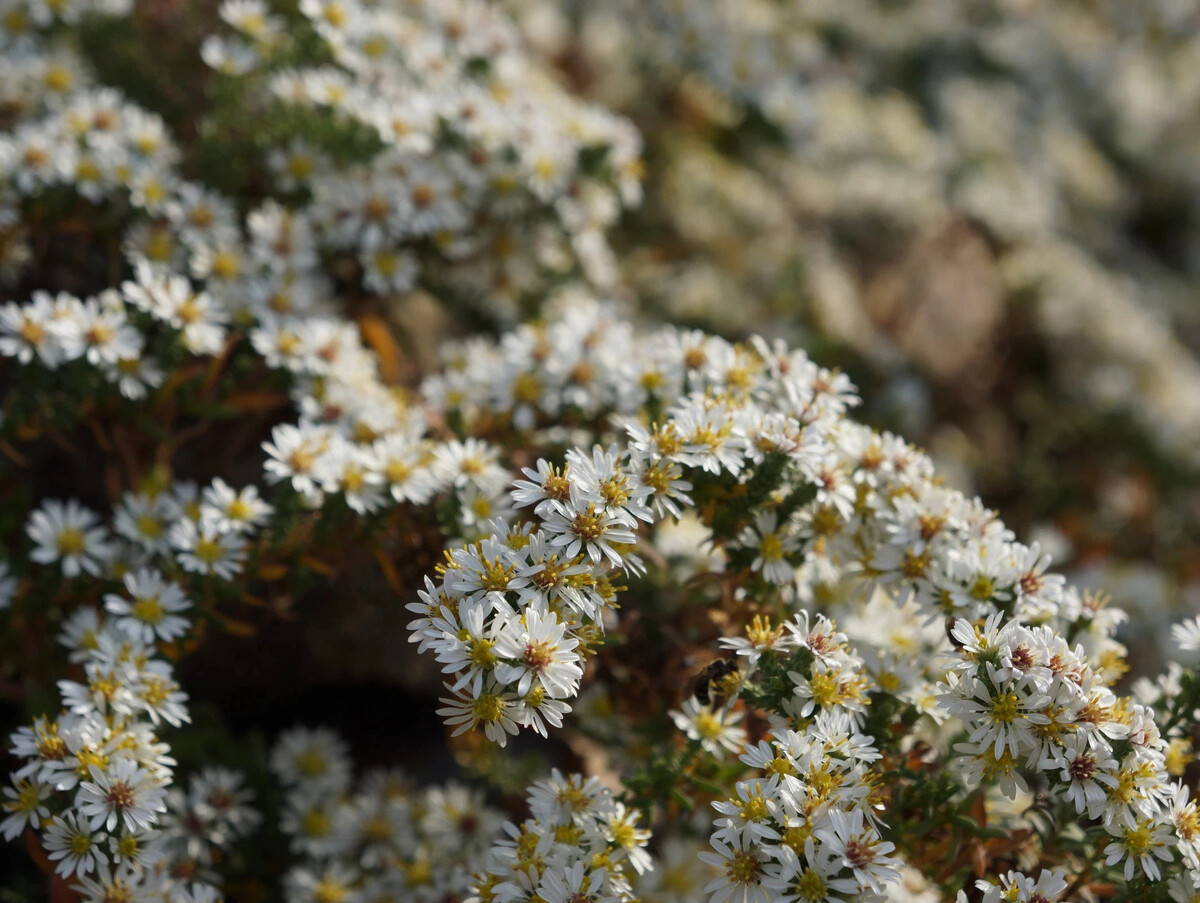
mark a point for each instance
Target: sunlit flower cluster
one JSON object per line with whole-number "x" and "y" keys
{"x": 766, "y": 633}
{"x": 95, "y": 779}
{"x": 579, "y": 843}
{"x": 1028, "y": 699}
{"x": 473, "y": 168}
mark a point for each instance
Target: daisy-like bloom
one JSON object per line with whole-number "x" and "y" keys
{"x": 1185, "y": 816}
{"x": 544, "y": 486}
{"x": 1004, "y": 713}
{"x": 664, "y": 478}
{"x": 201, "y": 549}
{"x": 25, "y": 806}
{"x": 545, "y": 576}
{"x": 750, "y": 813}
{"x": 172, "y": 300}
{"x": 810, "y": 875}
{"x": 978, "y": 763}
{"x": 151, "y": 609}
{"x": 218, "y": 795}
{"x": 120, "y": 882}
{"x": 830, "y": 684}
{"x": 1139, "y": 846}
{"x": 760, "y": 637}
{"x": 252, "y": 18}
{"x": 71, "y": 535}
{"x": 158, "y": 695}
{"x": 592, "y": 530}
{"x": 711, "y": 440}
{"x": 134, "y": 851}
{"x": 28, "y": 331}
{"x": 100, "y": 332}
{"x": 145, "y": 520}
{"x": 495, "y": 711}
{"x": 743, "y": 867}
{"x": 313, "y": 757}
{"x": 716, "y": 730}
{"x": 308, "y": 816}
{"x": 293, "y": 453}
{"x": 466, "y": 647}
{"x": 560, "y": 798}
{"x": 73, "y": 844}
{"x": 232, "y": 511}
{"x": 621, "y": 830}
{"x": 539, "y": 650}
{"x": 1015, "y": 887}
{"x": 773, "y": 546}
{"x": 402, "y": 463}
{"x": 484, "y": 570}
{"x": 1186, "y": 634}
{"x": 79, "y": 632}
{"x": 470, "y": 461}
{"x": 124, "y": 793}
{"x": 353, "y": 472}
{"x": 568, "y": 884}
{"x": 861, "y": 849}
{"x": 387, "y": 270}
{"x": 603, "y": 477}
{"x": 538, "y": 710}
{"x": 336, "y": 882}
{"x": 1087, "y": 771}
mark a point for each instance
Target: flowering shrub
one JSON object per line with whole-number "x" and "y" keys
{"x": 694, "y": 631}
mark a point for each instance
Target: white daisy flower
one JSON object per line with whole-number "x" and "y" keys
{"x": 73, "y": 844}
{"x": 25, "y": 806}
{"x": 716, "y": 730}
{"x": 71, "y": 535}
{"x": 232, "y": 511}
{"x": 201, "y": 549}
{"x": 312, "y": 757}
{"x": 151, "y": 609}
{"x": 496, "y": 712}
{"x": 122, "y": 794}
{"x": 537, "y": 645}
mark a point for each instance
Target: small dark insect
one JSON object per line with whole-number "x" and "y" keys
{"x": 715, "y": 672}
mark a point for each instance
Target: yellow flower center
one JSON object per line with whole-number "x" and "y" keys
{"x": 311, "y": 763}
{"x": 771, "y": 547}
{"x": 149, "y": 610}
{"x": 70, "y": 541}
{"x": 1006, "y": 708}
{"x": 743, "y": 868}
{"x": 315, "y": 823}
{"x": 208, "y": 550}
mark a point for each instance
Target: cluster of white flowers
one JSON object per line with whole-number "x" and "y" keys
{"x": 805, "y": 828}
{"x": 1028, "y": 699}
{"x": 514, "y": 614}
{"x": 878, "y": 526}
{"x": 1015, "y": 887}
{"x": 377, "y": 839}
{"x": 477, "y": 156}
{"x": 855, "y": 521}
{"x": 577, "y": 844}
{"x": 94, "y": 780}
